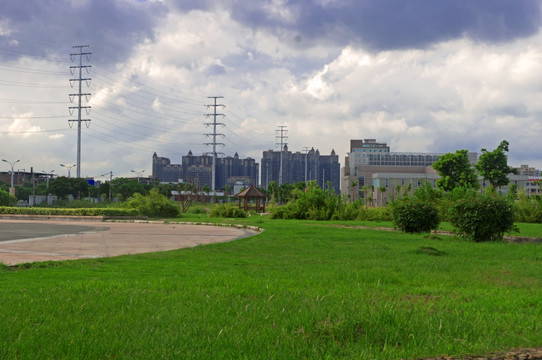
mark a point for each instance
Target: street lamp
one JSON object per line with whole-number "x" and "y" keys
{"x": 50, "y": 175}
{"x": 138, "y": 173}
{"x": 11, "y": 189}
{"x": 69, "y": 167}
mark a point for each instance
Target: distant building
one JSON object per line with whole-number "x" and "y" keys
{"x": 527, "y": 170}
{"x": 198, "y": 170}
{"x": 372, "y": 170}
{"x": 299, "y": 167}
{"x": 163, "y": 170}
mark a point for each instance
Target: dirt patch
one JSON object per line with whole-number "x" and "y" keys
{"x": 518, "y": 354}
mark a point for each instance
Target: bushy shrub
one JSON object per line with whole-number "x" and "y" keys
{"x": 375, "y": 213}
{"x": 313, "y": 203}
{"x": 528, "y": 209}
{"x": 153, "y": 205}
{"x": 227, "y": 211}
{"x": 481, "y": 217}
{"x": 413, "y": 215}
{"x": 6, "y": 199}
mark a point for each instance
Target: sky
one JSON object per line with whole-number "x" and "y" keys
{"x": 421, "y": 75}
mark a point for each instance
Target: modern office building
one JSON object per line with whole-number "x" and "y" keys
{"x": 198, "y": 170}
{"x": 372, "y": 170}
{"x": 298, "y": 167}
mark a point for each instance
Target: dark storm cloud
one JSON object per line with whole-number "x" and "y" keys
{"x": 111, "y": 28}
{"x": 393, "y": 24}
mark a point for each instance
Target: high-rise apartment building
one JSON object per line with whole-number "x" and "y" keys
{"x": 198, "y": 170}
{"x": 301, "y": 167}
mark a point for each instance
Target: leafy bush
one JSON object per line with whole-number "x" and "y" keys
{"x": 313, "y": 203}
{"x": 227, "y": 211}
{"x": 413, "y": 215}
{"x": 375, "y": 213}
{"x": 481, "y": 217}
{"x": 528, "y": 209}
{"x": 153, "y": 205}
{"x": 6, "y": 199}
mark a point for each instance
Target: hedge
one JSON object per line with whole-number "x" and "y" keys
{"x": 68, "y": 212}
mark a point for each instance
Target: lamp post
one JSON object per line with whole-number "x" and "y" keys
{"x": 69, "y": 167}
{"x": 12, "y": 188}
{"x": 138, "y": 173}
{"x": 49, "y": 176}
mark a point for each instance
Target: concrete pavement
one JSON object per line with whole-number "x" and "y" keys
{"x": 23, "y": 241}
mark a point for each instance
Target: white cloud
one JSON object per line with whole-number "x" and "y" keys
{"x": 456, "y": 94}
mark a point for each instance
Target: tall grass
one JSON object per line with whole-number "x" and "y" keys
{"x": 294, "y": 291}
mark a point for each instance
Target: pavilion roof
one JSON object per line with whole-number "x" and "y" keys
{"x": 251, "y": 191}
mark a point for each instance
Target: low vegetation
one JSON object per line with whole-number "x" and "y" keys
{"x": 414, "y": 215}
{"x": 153, "y": 205}
{"x": 227, "y": 211}
{"x": 300, "y": 289}
{"x": 68, "y": 211}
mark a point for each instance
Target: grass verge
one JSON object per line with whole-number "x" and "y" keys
{"x": 293, "y": 291}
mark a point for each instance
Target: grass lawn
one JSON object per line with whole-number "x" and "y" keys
{"x": 294, "y": 291}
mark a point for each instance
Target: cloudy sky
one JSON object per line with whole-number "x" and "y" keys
{"x": 421, "y": 75}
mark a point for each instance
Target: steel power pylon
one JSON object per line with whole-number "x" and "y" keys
{"x": 280, "y": 134}
{"x": 79, "y": 95}
{"x": 214, "y": 135}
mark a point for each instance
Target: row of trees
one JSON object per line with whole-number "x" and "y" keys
{"x": 455, "y": 169}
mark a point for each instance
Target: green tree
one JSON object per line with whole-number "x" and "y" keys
{"x": 63, "y": 186}
{"x": 285, "y": 192}
{"x": 126, "y": 188}
{"x": 493, "y": 165}
{"x": 272, "y": 190}
{"x": 6, "y": 199}
{"x": 455, "y": 170}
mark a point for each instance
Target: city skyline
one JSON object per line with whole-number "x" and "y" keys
{"x": 422, "y": 76}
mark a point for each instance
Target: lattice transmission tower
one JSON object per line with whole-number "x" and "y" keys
{"x": 214, "y": 135}
{"x": 281, "y": 135}
{"x": 79, "y": 95}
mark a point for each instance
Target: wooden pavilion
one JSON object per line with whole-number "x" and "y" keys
{"x": 252, "y": 193}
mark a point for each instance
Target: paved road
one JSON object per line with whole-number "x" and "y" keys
{"x": 23, "y": 241}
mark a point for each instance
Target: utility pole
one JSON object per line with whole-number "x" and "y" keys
{"x": 306, "y": 150}
{"x": 79, "y": 95}
{"x": 110, "y": 182}
{"x": 214, "y": 135}
{"x": 282, "y": 131}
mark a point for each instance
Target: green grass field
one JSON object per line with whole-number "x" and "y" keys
{"x": 297, "y": 290}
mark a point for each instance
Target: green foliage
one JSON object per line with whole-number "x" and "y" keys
{"x": 63, "y": 186}
{"x": 125, "y": 188}
{"x": 67, "y": 212}
{"x": 455, "y": 170}
{"x": 6, "y": 199}
{"x": 413, "y": 215}
{"x": 493, "y": 166}
{"x": 528, "y": 209}
{"x": 314, "y": 203}
{"x": 153, "y": 205}
{"x": 227, "y": 211}
{"x": 481, "y": 217}
{"x": 373, "y": 213}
